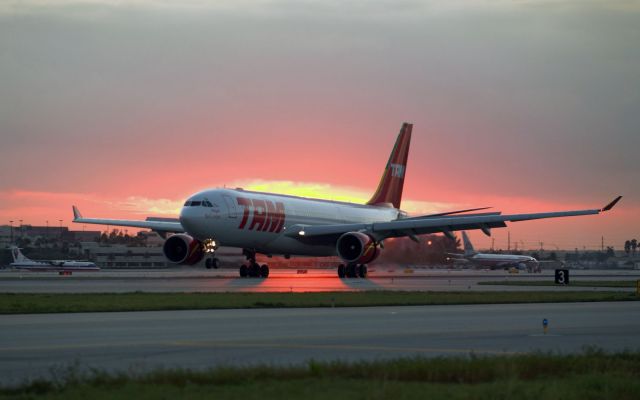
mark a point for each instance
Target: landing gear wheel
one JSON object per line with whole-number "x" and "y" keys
{"x": 254, "y": 270}
{"x": 362, "y": 271}
{"x": 341, "y": 272}
{"x": 243, "y": 271}
{"x": 351, "y": 271}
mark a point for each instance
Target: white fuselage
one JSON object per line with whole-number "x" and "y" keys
{"x": 259, "y": 221}
{"x": 500, "y": 260}
{"x": 54, "y": 265}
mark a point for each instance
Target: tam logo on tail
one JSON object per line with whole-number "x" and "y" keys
{"x": 397, "y": 170}
{"x": 389, "y": 191}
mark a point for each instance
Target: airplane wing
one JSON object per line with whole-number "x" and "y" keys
{"x": 446, "y": 224}
{"x": 160, "y": 225}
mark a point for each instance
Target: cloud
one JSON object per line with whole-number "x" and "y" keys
{"x": 36, "y": 207}
{"x": 512, "y": 101}
{"x": 361, "y": 8}
{"x": 147, "y": 206}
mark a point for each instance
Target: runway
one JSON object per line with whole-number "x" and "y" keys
{"x": 226, "y": 280}
{"x": 38, "y": 345}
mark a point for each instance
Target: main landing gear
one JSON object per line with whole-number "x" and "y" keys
{"x": 253, "y": 269}
{"x": 352, "y": 271}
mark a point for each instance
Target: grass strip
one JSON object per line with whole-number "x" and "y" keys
{"x": 592, "y": 374}
{"x": 28, "y": 303}
{"x": 574, "y": 283}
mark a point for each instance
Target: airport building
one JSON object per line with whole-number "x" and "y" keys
{"x": 121, "y": 256}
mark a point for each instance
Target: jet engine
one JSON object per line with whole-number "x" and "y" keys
{"x": 357, "y": 248}
{"x": 183, "y": 249}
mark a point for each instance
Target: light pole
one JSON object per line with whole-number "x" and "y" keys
{"x": 11, "y": 225}
{"x": 60, "y": 229}
{"x": 21, "y": 234}
{"x": 47, "y": 231}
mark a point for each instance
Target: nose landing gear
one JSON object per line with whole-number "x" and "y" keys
{"x": 209, "y": 246}
{"x": 212, "y": 263}
{"x": 253, "y": 270}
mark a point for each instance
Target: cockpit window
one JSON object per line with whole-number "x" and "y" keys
{"x": 198, "y": 203}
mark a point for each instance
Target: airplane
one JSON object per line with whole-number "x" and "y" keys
{"x": 65, "y": 267}
{"x": 494, "y": 260}
{"x": 278, "y": 224}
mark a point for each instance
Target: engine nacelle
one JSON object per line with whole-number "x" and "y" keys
{"x": 357, "y": 248}
{"x": 183, "y": 249}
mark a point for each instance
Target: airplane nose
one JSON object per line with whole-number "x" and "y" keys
{"x": 187, "y": 219}
{"x": 192, "y": 220}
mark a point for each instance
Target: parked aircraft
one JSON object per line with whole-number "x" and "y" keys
{"x": 20, "y": 261}
{"x": 276, "y": 224}
{"x": 492, "y": 260}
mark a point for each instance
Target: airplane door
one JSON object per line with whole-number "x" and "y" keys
{"x": 232, "y": 210}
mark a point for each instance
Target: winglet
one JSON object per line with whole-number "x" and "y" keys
{"x": 610, "y": 205}
{"x": 76, "y": 213}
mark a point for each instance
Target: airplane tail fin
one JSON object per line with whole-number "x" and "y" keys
{"x": 17, "y": 254}
{"x": 468, "y": 247}
{"x": 389, "y": 191}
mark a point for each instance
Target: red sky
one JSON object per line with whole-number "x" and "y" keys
{"x": 517, "y": 107}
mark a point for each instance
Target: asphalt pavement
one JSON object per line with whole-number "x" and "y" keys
{"x": 40, "y": 345}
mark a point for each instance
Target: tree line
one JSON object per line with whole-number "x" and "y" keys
{"x": 630, "y": 247}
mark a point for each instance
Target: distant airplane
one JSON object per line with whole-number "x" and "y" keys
{"x": 493, "y": 261}
{"x": 20, "y": 261}
{"x": 276, "y": 224}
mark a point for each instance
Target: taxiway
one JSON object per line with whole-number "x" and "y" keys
{"x": 44, "y": 344}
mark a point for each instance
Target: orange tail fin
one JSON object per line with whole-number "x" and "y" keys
{"x": 389, "y": 190}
